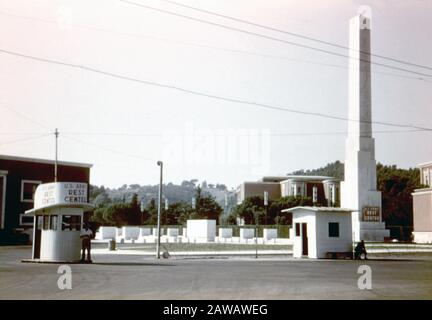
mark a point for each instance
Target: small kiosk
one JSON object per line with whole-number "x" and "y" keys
{"x": 321, "y": 232}
{"x": 58, "y": 213}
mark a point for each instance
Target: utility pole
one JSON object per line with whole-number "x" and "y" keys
{"x": 159, "y": 163}
{"x": 256, "y": 234}
{"x": 56, "y": 133}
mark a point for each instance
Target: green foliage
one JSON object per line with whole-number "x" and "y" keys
{"x": 334, "y": 169}
{"x": 118, "y": 214}
{"x": 205, "y": 206}
{"x": 253, "y": 208}
{"x": 396, "y": 186}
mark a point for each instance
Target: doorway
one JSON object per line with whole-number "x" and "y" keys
{"x": 305, "y": 251}
{"x": 2, "y": 200}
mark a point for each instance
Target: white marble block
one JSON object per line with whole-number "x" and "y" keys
{"x": 201, "y": 230}
{"x": 131, "y": 233}
{"x": 172, "y": 232}
{"x": 225, "y": 233}
{"x": 269, "y": 234}
{"x": 105, "y": 233}
{"x": 247, "y": 233}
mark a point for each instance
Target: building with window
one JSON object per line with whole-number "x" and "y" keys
{"x": 422, "y": 206}
{"x": 19, "y": 178}
{"x": 321, "y": 232}
{"x": 322, "y": 190}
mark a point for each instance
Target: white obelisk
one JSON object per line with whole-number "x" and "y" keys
{"x": 359, "y": 190}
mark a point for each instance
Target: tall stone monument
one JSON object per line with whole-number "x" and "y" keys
{"x": 359, "y": 190}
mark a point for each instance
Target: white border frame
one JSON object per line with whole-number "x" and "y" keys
{"x": 22, "y": 189}
{"x": 26, "y": 223}
{"x": 3, "y": 174}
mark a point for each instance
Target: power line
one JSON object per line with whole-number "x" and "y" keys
{"x": 38, "y": 123}
{"x": 107, "y": 148}
{"x": 24, "y": 139}
{"x": 271, "y": 133}
{"x": 272, "y": 38}
{"x": 294, "y": 34}
{"x": 207, "y": 95}
{"x": 202, "y": 46}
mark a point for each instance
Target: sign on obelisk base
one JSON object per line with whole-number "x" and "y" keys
{"x": 359, "y": 190}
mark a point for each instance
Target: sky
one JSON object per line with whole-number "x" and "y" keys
{"x": 124, "y": 127}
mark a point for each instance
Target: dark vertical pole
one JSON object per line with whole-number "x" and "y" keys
{"x": 159, "y": 163}
{"x": 56, "y": 133}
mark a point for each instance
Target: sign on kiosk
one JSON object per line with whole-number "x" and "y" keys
{"x": 60, "y": 193}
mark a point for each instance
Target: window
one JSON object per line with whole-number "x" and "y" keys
{"x": 314, "y": 194}
{"x": 334, "y": 229}
{"x": 297, "y": 229}
{"x": 28, "y": 188}
{"x": 45, "y": 223}
{"x": 25, "y": 220}
{"x": 50, "y": 222}
{"x": 71, "y": 223}
{"x": 53, "y": 222}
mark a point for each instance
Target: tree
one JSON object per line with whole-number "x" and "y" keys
{"x": 396, "y": 186}
{"x": 205, "y": 206}
{"x": 118, "y": 214}
{"x": 150, "y": 213}
{"x": 255, "y": 205}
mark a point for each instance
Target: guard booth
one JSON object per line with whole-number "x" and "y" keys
{"x": 321, "y": 232}
{"x": 58, "y": 213}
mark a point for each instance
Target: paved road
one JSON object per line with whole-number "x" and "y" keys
{"x": 135, "y": 277}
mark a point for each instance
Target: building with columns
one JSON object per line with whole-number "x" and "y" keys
{"x": 359, "y": 190}
{"x": 422, "y": 206}
{"x": 322, "y": 190}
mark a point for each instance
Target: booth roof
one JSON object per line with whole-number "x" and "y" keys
{"x": 319, "y": 209}
{"x": 40, "y": 211}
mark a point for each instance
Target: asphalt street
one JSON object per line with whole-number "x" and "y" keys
{"x": 137, "y": 277}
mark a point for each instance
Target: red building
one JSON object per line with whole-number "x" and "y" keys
{"x": 19, "y": 178}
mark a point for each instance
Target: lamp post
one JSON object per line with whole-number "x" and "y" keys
{"x": 56, "y": 134}
{"x": 160, "y": 164}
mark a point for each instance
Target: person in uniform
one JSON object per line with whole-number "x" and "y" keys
{"x": 86, "y": 235}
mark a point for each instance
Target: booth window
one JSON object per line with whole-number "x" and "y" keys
{"x": 53, "y": 222}
{"x": 28, "y": 188}
{"x": 50, "y": 222}
{"x": 297, "y": 229}
{"x": 334, "y": 229}
{"x": 71, "y": 222}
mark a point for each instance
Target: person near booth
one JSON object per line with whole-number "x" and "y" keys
{"x": 360, "y": 251}
{"x": 86, "y": 235}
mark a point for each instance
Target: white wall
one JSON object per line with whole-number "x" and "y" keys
{"x": 131, "y": 232}
{"x": 201, "y": 230}
{"x": 309, "y": 218}
{"x": 60, "y": 245}
{"x": 330, "y": 244}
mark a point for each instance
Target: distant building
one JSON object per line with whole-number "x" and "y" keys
{"x": 19, "y": 178}
{"x": 422, "y": 206}
{"x": 322, "y": 190}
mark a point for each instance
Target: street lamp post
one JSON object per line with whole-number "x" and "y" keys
{"x": 159, "y": 163}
